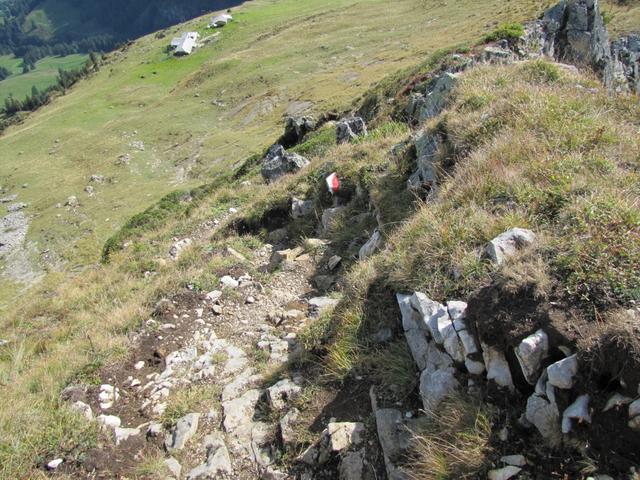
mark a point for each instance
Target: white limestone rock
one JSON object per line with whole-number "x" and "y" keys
{"x": 240, "y": 411}
{"x": 281, "y": 393}
{"x": 229, "y": 282}
{"x": 504, "y": 473}
{"x": 123, "y": 434}
{"x": 54, "y": 464}
{"x": 530, "y": 353}
{"x": 508, "y": 243}
{"x": 415, "y": 331}
{"x": 562, "y": 373}
{"x": 173, "y": 466}
{"x": 83, "y": 409}
{"x": 435, "y": 386}
{"x": 185, "y": 429}
{"x": 109, "y": 421}
{"x": 578, "y": 410}
{"x": 178, "y": 248}
{"x": 497, "y": 367}
{"x": 287, "y": 431}
{"x": 344, "y": 435}
{"x": 544, "y": 415}
{"x": 218, "y": 463}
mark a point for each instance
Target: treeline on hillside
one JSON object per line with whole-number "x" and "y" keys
{"x": 66, "y": 79}
{"x": 115, "y": 21}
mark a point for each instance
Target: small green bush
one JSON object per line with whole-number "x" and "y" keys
{"x": 506, "y": 31}
{"x": 540, "y": 71}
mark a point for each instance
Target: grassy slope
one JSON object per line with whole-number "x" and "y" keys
{"x": 550, "y": 180}
{"x": 48, "y": 327}
{"x": 44, "y": 75}
{"x": 274, "y": 54}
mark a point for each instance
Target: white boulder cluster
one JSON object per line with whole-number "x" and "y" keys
{"x": 446, "y": 352}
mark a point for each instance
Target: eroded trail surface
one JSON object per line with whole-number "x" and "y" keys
{"x": 216, "y": 349}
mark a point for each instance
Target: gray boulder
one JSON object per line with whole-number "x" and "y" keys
{"x": 573, "y": 31}
{"x": 218, "y": 461}
{"x": 330, "y": 217}
{"x": 425, "y": 176}
{"x": 349, "y": 129}
{"x": 424, "y": 107}
{"x": 185, "y": 428}
{"x": 372, "y": 245}
{"x": 508, "y": 243}
{"x": 278, "y": 162}
{"x": 295, "y": 129}
{"x": 625, "y": 52}
{"x": 497, "y": 55}
{"x": 301, "y": 208}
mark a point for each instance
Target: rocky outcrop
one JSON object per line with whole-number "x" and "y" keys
{"x": 350, "y": 129}
{"x": 573, "y": 31}
{"x": 295, "y": 129}
{"x": 625, "y": 53}
{"x": 279, "y": 162}
{"x": 425, "y": 177}
{"x": 428, "y": 103}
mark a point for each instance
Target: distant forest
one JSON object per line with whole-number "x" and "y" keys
{"x": 115, "y": 21}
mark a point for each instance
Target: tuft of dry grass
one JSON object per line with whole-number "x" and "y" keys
{"x": 453, "y": 442}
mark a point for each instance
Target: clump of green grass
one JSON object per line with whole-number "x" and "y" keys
{"x": 452, "y": 443}
{"x": 506, "y": 31}
{"x": 318, "y": 142}
{"x": 394, "y": 365}
{"x": 196, "y": 398}
{"x": 541, "y": 71}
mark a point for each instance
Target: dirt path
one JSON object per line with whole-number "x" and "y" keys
{"x": 219, "y": 346}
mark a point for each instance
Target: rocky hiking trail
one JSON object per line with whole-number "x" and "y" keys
{"x": 211, "y": 387}
{"x": 233, "y": 343}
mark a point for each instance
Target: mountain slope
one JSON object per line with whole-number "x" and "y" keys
{"x": 525, "y": 144}
{"x": 197, "y": 116}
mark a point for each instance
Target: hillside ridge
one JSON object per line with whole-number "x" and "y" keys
{"x": 440, "y": 282}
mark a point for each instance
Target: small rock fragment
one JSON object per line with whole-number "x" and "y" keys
{"x": 54, "y": 464}
{"x": 504, "y": 473}
{"x": 578, "y": 410}
{"x": 185, "y": 428}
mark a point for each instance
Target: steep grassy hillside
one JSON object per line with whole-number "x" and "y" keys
{"x": 532, "y": 144}
{"x": 199, "y": 115}
{"x": 572, "y": 175}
